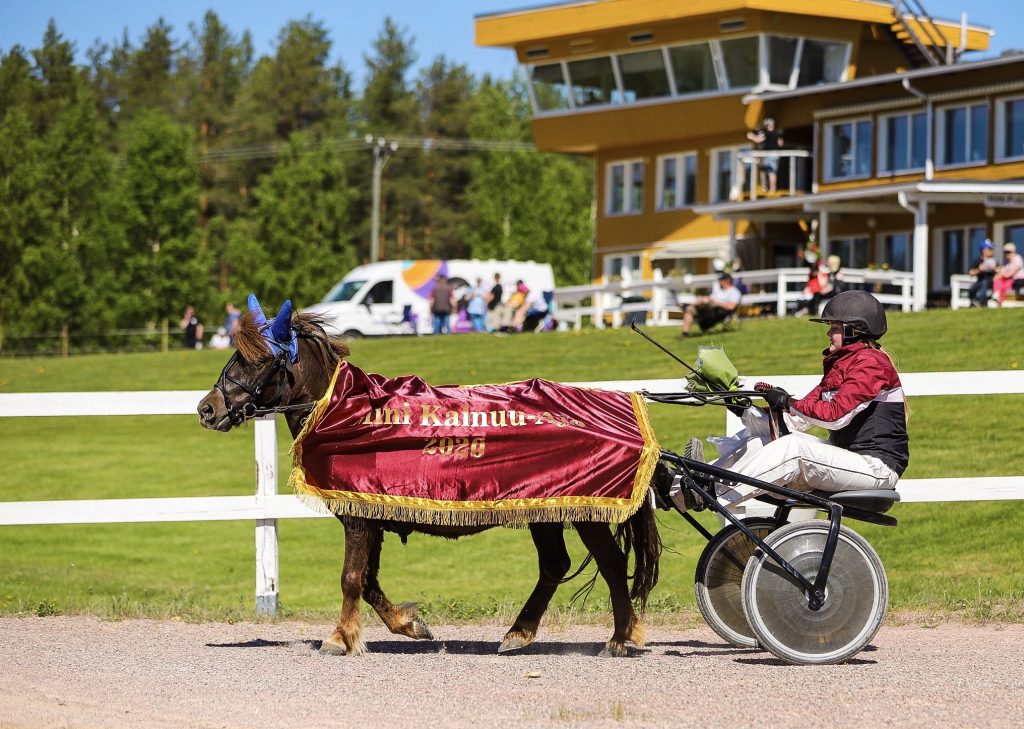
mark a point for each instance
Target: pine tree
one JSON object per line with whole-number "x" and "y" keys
{"x": 56, "y": 70}
{"x": 299, "y": 242}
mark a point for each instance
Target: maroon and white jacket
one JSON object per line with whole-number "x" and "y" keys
{"x": 860, "y": 400}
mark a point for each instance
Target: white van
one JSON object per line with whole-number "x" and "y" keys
{"x": 390, "y": 297}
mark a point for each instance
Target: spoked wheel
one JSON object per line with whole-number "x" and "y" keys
{"x": 776, "y": 605}
{"x": 718, "y": 579}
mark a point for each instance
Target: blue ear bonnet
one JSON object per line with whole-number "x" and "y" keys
{"x": 278, "y": 331}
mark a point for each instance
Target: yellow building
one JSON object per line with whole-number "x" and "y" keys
{"x": 902, "y": 154}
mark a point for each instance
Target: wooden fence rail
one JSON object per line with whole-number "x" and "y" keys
{"x": 267, "y": 505}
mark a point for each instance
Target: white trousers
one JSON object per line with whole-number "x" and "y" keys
{"x": 802, "y": 462}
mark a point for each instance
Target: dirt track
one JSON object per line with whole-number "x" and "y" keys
{"x": 80, "y": 672}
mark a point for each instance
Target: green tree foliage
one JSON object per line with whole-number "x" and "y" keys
{"x": 169, "y": 171}
{"x": 524, "y": 204}
{"x": 166, "y": 267}
{"x": 299, "y": 242}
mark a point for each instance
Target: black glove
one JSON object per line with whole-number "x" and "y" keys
{"x": 777, "y": 398}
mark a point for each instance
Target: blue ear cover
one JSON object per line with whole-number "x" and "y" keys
{"x": 281, "y": 337}
{"x": 258, "y": 317}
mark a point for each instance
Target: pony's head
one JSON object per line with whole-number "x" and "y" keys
{"x": 268, "y": 373}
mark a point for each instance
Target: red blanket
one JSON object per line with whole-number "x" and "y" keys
{"x": 492, "y": 454}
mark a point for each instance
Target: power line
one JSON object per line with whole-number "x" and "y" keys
{"x": 275, "y": 149}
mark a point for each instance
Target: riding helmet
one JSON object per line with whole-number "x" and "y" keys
{"x": 859, "y": 309}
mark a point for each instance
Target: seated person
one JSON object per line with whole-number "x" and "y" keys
{"x": 710, "y": 310}
{"x": 1009, "y": 273}
{"x": 531, "y": 312}
{"x": 859, "y": 399}
{"x": 508, "y": 311}
{"x": 983, "y": 268}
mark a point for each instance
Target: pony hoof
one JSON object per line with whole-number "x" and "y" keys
{"x": 420, "y": 630}
{"x": 614, "y": 649}
{"x": 333, "y": 647}
{"x": 513, "y": 642}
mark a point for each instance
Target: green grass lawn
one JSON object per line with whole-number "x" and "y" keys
{"x": 958, "y": 559}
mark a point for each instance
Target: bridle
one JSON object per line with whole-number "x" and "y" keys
{"x": 281, "y": 368}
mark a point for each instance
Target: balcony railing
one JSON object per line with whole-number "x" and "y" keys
{"x": 795, "y": 163}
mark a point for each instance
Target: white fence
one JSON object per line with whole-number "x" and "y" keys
{"x": 267, "y": 506}
{"x": 778, "y": 287}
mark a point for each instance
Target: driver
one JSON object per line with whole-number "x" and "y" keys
{"x": 859, "y": 400}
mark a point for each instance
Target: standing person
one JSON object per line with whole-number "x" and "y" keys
{"x": 710, "y": 310}
{"x": 494, "y": 304}
{"x": 859, "y": 400}
{"x": 233, "y": 321}
{"x": 1010, "y": 272}
{"x": 768, "y": 139}
{"x": 442, "y": 302}
{"x": 983, "y": 268}
{"x": 192, "y": 329}
{"x": 477, "y": 306}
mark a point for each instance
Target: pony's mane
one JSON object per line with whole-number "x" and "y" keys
{"x": 253, "y": 347}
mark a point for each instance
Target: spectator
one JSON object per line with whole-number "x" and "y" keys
{"x": 713, "y": 309}
{"x": 220, "y": 340}
{"x": 233, "y": 322}
{"x": 511, "y": 307}
{"x": 983, "y": 268}
{"x": 494, "y": 304}
{"x": 827, "y": 281}
{"x": 192, "y": 329}
{"x": 533, "y": 309}
{"x": 477, "y": 306}
{"x": 442, "y": 301}
{"x": 768, "y": 139}
{"x": 1009, "y": 273}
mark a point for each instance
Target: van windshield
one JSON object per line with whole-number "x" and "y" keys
{"x": 344, "y": 291}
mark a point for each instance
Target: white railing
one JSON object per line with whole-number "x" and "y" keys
{"x": 779, "y": 287}
{"x": 754, "y": 159}
{"x": 267, "y": 506}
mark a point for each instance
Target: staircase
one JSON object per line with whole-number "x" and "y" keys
{"x": 919, "y": 37}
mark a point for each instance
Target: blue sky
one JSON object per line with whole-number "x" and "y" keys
{"x": 438, "y": 27}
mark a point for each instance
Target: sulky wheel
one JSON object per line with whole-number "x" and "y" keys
{"x": 718, "y": 577}
{"x": 776, "y": 605}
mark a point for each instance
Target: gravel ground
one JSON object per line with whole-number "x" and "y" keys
{"x": 81, "y": 672}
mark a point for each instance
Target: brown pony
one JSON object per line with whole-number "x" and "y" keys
{"x": 263, "y": 377}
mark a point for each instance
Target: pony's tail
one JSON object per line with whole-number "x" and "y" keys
{"x": 639, "y": 535}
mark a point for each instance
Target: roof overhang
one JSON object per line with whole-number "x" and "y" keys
{"x": 699, "y": 248}
{"x": 991, "y": 194}
{"x": 554, "y": 20}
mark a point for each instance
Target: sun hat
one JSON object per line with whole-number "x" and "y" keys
{"x": 1010, "y": 248}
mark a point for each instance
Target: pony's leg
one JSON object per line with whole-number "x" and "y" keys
{"x": 611, "y": 563}
{"x": 347, "y": 638}
{"x": 401, "y": 619}
{"x": 554, "y": 563}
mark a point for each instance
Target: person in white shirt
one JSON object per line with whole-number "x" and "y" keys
{"x": 710, "y": 310}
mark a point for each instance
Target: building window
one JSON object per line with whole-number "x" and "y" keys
{"x": 677, "y": 181}
{"x": 693, "y": 68}
{"x": 1010, "y": 233}
{"x": 1010, "y": 129}
{"x": 963, "y": 135}
{"x": 902, "y": 143}
{"x": 956, "y": 250}
{"x": 822, "y": 62}
{"x": 896, "y": 251}
{"x": 625, "y": 181}
{"x": 741, "y": 59}
{"x": 848, "y": 150}
{"x": 550, "y": 91}
{"x": 725, "y": 185}
{"x": 593, "y": 81}
{"x": 622, "y": 268}
{"x": 643, "y": 75}
{"x": 782, "y": 53}
{"x": 852, "y": 252}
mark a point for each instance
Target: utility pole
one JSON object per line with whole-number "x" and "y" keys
{"x": 382, "y": 151}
